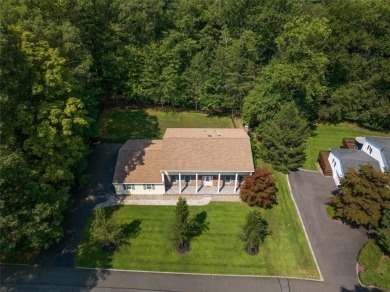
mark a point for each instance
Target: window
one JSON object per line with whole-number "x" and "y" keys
{"x": 148, "y": 187}
{"x": 187, "y": 178}
{"x": 174, "y": 178}
{"x": 368, "y": 146}
{"x": 129, "y": 187}
{"x": 228, "y": 179}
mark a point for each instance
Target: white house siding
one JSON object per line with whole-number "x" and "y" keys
{"x": 375, "y": 152}
{"x": 337, "y": 172}
{"x": 159, "y": 189}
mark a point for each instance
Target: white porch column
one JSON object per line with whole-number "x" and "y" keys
{"x": 219, "y": 180}
{"x": 179, "y": 183}
{"x": 235, "y": 183}
{"x": 163, "y": 180}
{"x": 196, "y": 183}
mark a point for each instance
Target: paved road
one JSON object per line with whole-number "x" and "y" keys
{"x": 26, "y": 278}
{"x": 101, "y": 165}
{"x": 335, "y": 245}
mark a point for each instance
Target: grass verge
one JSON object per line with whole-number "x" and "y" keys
{"x": 218, "y": 251}
{"x": 376, "y": 266}
{"x": 120, "y": 124}
{"x": 326, "y": 136}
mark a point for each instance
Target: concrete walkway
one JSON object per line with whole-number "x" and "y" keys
{"x": 336, "y": 246}
{"x": 168, "y": 200}
{"x": 26, "y": 278}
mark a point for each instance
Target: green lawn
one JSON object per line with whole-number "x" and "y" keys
{"x": 376, "y": 266}
{"x": 219, "y": 250}
{"x": 119, "y": 124}
{"x": 327, "y": 136}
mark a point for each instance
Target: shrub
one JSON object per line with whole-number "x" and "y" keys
{"x": 330, "y": 211}
{"x": 259, "y": 189}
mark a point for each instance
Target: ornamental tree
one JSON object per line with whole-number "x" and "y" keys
{"x": 363, "y": 196}
{"x": 259, "y": 189}
{"x": 254, "y": 232}
{"x": 105, "y": 231}
{"x": 181, "y": 226}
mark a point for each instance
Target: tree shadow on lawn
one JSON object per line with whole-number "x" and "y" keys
{"x": 124, "y": 124}
{"x": 198, "y": 225}
{"x": 131, "y": 230}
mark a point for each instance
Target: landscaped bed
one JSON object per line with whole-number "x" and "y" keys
{"x": 327, "y": 135}
{"x": 121, "y": 124}
{"x": 219, "y": 250}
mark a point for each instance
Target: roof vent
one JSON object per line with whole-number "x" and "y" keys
{"x": 209, "y": 135}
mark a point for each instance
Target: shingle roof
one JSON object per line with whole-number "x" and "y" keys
{"x": 351, "y": 158}
{"x": 206, "y": 150}
{"x": 384, "y": 143}
{"x": 139, "y": 161}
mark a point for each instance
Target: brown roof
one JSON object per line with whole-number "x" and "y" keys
{"x": 206, "y": 150}
{"x": 139, "y": 161}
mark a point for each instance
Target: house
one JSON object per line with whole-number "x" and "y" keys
{"x": 188, "y": 161}
{"x": 379, "y": 149}
{"x": 342, "y": 159}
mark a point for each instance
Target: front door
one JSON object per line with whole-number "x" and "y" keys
{"x": 207, "y": 180}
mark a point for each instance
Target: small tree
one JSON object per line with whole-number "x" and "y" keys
{"x": 105, "y": 231}
{"x": 182, "y": 226}
{"x": 282, "y": 139}
{"x": 363, "y": 196}
{"x": 384, "y": 232}
{"x": 254, "y": 232}
{"x": 259, "y": 189}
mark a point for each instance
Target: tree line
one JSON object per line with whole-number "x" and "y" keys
{"x": 329, "y": 59}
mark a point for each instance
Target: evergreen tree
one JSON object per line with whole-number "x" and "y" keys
{"x": 105, "y": 231}
{"x": 259, "y": 189}
{"x": 363, "y": 196}
{"x": 182, "y": 226}
{"x": 384, "y": 231}
{"x": 282, "y": 139}
{"x": 254, "y": 232}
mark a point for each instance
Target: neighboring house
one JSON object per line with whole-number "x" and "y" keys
{"x": 342, "y": 159}
{"x": 379, "y": 149}
{"x": 189, "y": 161}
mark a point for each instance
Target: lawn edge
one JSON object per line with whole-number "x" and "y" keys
{"x": 304, "y": 230}
{"x": 199, "y": 274}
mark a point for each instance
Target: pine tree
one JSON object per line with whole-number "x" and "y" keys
{"x": 254, "y": 232}
{"x": 282, "y": 139}
{"x": 384, "y": 232}
{"x": 259, "y": 189}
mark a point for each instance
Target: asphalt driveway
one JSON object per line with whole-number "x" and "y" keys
{"x": 100, "y": 168}
{"x": 336, "y": 246}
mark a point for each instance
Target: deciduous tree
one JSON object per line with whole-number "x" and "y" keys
{"x": 363, "y": 196}
{"x": 259, "y": 189}
{"x": 254, "y": 232}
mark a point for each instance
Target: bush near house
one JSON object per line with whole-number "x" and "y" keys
{"x": 259, "y": 189}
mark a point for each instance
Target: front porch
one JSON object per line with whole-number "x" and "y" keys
{"x": 202, "y": 190}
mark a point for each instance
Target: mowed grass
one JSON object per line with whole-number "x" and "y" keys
{"x": 326, "y": 136}
{"x": 218, "y": 251}
{"x": 121, "y": 124}
{"x": 376, "y": 266}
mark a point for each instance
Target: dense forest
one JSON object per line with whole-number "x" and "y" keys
{"x": 60, "y": 58}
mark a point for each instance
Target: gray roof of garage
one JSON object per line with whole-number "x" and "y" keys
{"x": 351, "y": 158}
